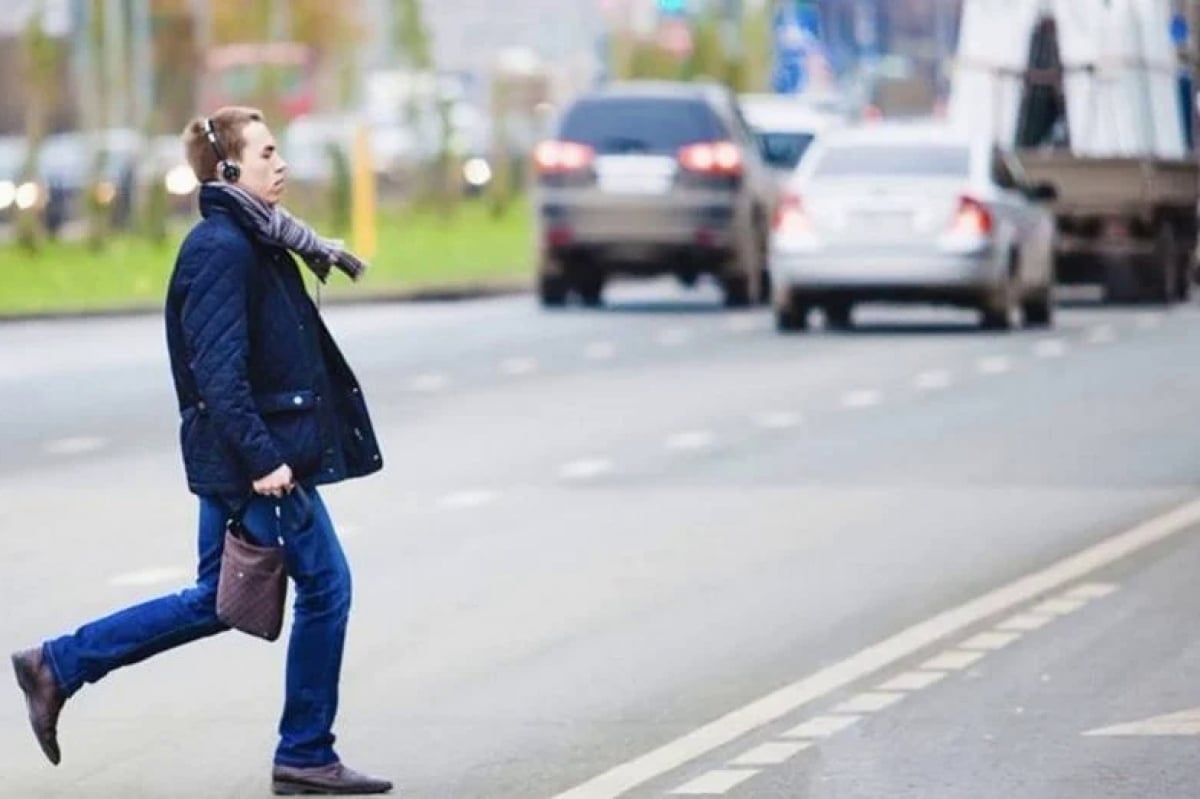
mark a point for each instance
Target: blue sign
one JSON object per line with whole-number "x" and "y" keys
{"x": 796, "y": 32}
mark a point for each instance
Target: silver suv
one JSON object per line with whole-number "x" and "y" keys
{"x": 650, "y": 178}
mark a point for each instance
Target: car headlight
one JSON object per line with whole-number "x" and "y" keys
{"x": 477, "y": 172}
{"x": 27, "y": 195}
{"x": 8, "y": 194}
{"x": 180, "y": 180}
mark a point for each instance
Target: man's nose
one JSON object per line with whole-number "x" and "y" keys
{"x": 283, "y": 166}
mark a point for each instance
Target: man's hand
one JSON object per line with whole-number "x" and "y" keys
{"x": 275, "y": 484}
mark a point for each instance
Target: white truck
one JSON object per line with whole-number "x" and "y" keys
{"x": 1086, "y": 93}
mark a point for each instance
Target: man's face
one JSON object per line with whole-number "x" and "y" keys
{"x": 263, "y": 170}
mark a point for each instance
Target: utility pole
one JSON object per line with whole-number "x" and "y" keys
{"x": 114, "y": 69}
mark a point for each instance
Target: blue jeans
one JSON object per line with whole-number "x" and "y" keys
{"x": 321, "y": 575}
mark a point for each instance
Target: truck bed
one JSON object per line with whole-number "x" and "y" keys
{"x": 1132, "y": 187}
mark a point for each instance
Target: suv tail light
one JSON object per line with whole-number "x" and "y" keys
{"x": 789, "y": 215}
{"x": 712, "y": 158}
{"x": 557, "y": 157}
{"x": 972, "y": 218}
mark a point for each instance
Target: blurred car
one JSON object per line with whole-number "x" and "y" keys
{"x": 785, "y": 127}
{"x": 65, "y": 174}
{"x": 899, "y": 212}
{"x": 651, "y": 178}
{"x": 13, "y": 152}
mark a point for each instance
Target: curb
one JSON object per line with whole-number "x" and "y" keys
{"x": 432, "y": 294}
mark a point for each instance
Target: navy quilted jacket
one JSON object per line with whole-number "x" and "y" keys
{"x": 260, "y": 381}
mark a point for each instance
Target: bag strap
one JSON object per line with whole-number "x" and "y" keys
{"x": 303, "y": 503}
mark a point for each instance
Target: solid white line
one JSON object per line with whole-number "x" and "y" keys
{"x": 78, "y": 445}
{"x": 145, "y": 577}
{"x": 822, "y": 727}
{"x": 429, "y": 382}
{"x": 585, "y": 469}
{"x": 994, "y": 365}
{"x": 952, "y": 660}
{"x": 515, "y": 367}
{"x": 933, "y": 380}
{"x": 777, "y": 420}
{"x": 862, "y": 398}
{"x": 1024, "y": 622}
{"x": 600, "y": 351}
{"x": 1051, "y": 348}
{"x": 1149, "y": 321}
{"x": 715, "y": 783}
{"x": 742, "y": 324}
{"x": 690, "y": 440}
{"x": 471, "y": 498}
{"x": 771, "y": 754}
{"x": 912, "y": 681}
{"x": 990, "y": 641}
{"x": 869, "y": 702}
{"x": 789, "y": 698}
{"x": 673, "y": 336}
{"x": 1091, "y": 591}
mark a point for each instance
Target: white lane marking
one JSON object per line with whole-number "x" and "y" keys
{"x": 1184, "y": 722}
{"x": 1059, "y": 607}
{"x": 742, "y": 324}
{"x": 869, "y": 702}
{"x": 1024, "y": 622}
{"x": 1091, "y": 591}
{"x": 715, "y": 782}
{"x": 861, "y": 398}
{"x": 690, "y": 441}
{"x": 429, "y": 382}
{"x": 990, "y": 641}
{"x": 1051, "y": 348}
{"x": 777, "y": 420}
{"x": 822, "y": 727}
{"x": 789, "y": 698}
{"x": 154, "y": 576}
{"x": 515, "y": 367}
{"x": 1149, "y": 321}
{"x": 470, "y": 498}
{"x": 771, "y": 754}
{"x": 600, "y": 351}
{"x": 77, "y": 445}
{"x": 673, "y": 336}
{"x": 1100, "y": 334}
{"x": 585, "y": 469}
{"x": 912, "y": 681}
{"x": 994, "y": 365}
{"x": 933, "y": 380}
{"x": 952, "y": 660}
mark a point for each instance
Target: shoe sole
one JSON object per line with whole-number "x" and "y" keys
{"x": 285, "y": 788}
{"x": 27, "y": 682}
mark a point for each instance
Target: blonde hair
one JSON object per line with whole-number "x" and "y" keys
{"x": 228, "y": 125}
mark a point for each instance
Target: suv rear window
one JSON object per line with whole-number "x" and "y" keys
{"x": 894, "y": 161}
{"x": 631, "y": 125}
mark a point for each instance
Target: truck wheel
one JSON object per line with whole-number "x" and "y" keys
{"x": 1039, "y": 311}
{"x": 552, "y": 291}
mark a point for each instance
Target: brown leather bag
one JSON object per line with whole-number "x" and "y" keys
{"x": 252, "y": 587}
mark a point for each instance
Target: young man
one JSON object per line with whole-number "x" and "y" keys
{"x": 266, "y": 400}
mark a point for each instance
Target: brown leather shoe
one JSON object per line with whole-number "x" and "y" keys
{"x": 42, "y": 697}
{"x": 332, "y": 780}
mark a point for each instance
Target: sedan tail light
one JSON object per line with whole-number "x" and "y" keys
{"x": 557, "y": 157}
{"x": 972, "y": 218}
{"x": 712, "y": 158}
{"x": 790, "y": 216}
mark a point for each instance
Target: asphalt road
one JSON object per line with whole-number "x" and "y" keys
{"x": 655, "y": 548}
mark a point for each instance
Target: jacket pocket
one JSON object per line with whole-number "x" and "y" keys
{"x": 284, "y": 401}
{"x": 293, "y": 420}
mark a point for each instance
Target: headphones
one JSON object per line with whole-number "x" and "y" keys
{"x": 229, "y": 170}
